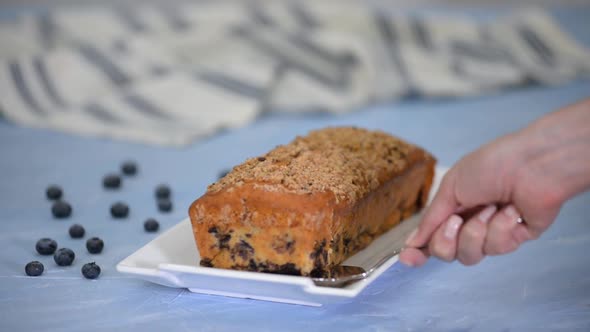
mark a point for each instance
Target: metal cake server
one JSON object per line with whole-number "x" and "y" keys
{"x": 343, "y": 275}
{"x": 371, "y": 258}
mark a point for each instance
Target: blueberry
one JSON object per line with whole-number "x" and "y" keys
{"x": 223, "y": 173}
{"x": 111, "y": 181}
{"x": 61, "y": 209}
{"x": 53, "y": 192}
{"x": 129, "y": 168}
{"x": 90, "y": 270}
{"x": 76, "y": 231}
{"x": 164, "y": 205}
{"x": 34, "y": 269}
{"x": 94, "y": 245}
{"x": 163, "y": 191}
{"x": 46, "y": 246}
{"x": 119, "y": 210}
{"x": 64, "y": 257}
{"x": 151, "y": 225}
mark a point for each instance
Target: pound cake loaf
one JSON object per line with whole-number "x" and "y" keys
{"x": 305, "y": 207}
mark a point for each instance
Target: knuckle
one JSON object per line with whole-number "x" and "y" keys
{"x": 552, "y": 198}
{"x": 473, "y": 231}
{"x": 441, "y": 251}
{"x": 535, "y": 231}
{"x": 470, "y": 256}
{"x": 521, "y": 235}
{"x": 467, "y": 257}
{"x": 503, "y": 224}
{"x": 504, "y": 246}
{"x": 467, "y": 260}
{"x": 470, "y": 252}
{"x": 492, "y": 248}
{"x": 471, "y": 263}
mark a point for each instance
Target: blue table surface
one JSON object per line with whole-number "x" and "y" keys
{"x": 543, "y": 286}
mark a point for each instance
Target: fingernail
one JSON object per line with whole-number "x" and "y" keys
{"x": 452, "y": 227}
{"x": 485, "y": 215}
{"x": 409, "y": 264}
{"x": 412, "y": 236}
{"x": 511, "y": 212}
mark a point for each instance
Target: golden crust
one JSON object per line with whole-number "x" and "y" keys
{"x": 347, "y": 161}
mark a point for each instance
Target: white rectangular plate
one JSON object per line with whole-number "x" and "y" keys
{"x": 172, "y": 259}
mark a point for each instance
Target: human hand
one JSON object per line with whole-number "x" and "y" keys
{"x": 528, "y": 174}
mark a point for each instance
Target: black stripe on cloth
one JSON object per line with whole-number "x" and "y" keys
{"x": 390, "y": 40}
{"x": 112, "y": 70}
{"x": 480, "y": 51}
{"x": 101, "y": 113}
{"x": 23, "y": 90}
{"x": 278, "y": 54}
{"x": 47, "y": 30}
{"x": 159, "y": 70}
{"x": 486, "y": 38}
{"x": 174, "y": 19}
{"x": 143, "y": 105}
{"x": 232, "y": 84}
{"x": 303, "y": 17}
{"x": 130, "y": 19}
{"x": 120, "y": 46}
{"x": 387, "y": 30}
{"x": 421, "y": 33}
{"x": 537, "y": 44}
{"x": 259, "y": 16}
{"x": 321, "y": 52}
{"x": 46, "y": 81}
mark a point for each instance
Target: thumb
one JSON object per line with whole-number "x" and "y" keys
{"x": 443, "y": 205}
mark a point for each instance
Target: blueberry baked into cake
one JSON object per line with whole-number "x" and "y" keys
{"x": 307, "y": 206}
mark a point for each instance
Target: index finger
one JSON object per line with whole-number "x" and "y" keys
{"x": 443, "y": 205}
